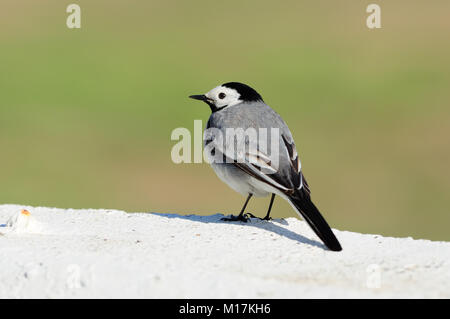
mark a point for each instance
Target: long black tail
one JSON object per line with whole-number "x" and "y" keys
{"x": 305, "y": 207}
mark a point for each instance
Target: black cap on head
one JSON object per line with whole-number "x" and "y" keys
{"x": 247, "y": 93}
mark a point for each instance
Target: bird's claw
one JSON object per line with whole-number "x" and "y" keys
{"x": 240, "y": 218}
{"x": 267, "y": 218}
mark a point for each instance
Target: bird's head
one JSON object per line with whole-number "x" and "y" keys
{"x": 228, "y": 94}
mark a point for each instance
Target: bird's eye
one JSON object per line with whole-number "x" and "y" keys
{"x": 222, "y": 95}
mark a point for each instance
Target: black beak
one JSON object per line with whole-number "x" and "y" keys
{"x": 199, "y": 97}
{"x": 203, "y": 98}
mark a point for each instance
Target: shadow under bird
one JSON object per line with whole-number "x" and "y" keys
{"x": 237, "y": 106}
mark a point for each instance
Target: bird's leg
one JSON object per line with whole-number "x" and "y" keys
{"x": 241, "y": 217}
{"x": 268, "y": 211}
{"x": 270, "y": 208}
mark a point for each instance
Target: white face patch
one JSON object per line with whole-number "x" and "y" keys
{"x": 223, "y": 96}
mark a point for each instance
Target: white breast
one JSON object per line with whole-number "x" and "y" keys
{"x": 240, "y": 181}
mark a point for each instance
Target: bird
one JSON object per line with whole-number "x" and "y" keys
{"x": 234, "y": 106}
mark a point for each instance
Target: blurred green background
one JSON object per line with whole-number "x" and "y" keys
{"x": 86, "y": 114}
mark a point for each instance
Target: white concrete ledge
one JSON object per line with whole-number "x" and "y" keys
{"x": 59, "y": 253}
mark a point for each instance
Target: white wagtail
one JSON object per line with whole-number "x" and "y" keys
{"x": 238, "y": 106}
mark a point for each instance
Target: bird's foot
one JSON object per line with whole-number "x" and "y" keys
{"x": 240, "y": 218}
{"x": 267, "y": 218}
